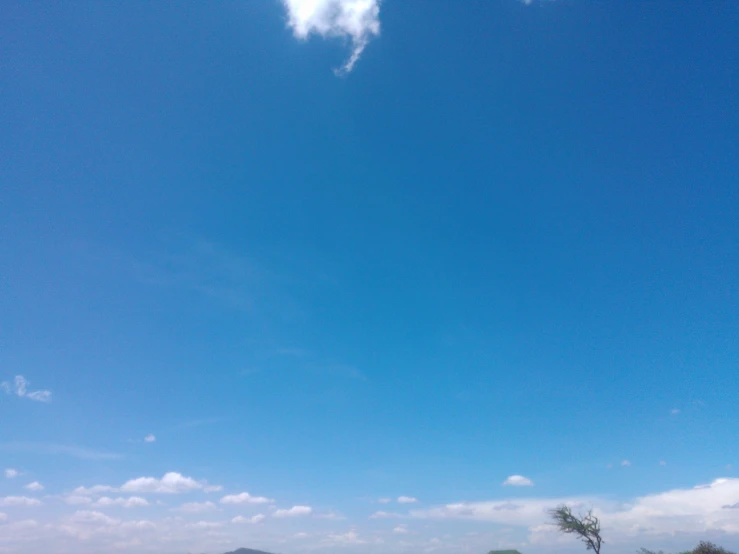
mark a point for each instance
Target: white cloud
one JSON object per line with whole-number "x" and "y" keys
{"x": 698, "y": 510}
{"x": 245, "y": 498}
{"x": 407, "y": 500}
{"x": 12, "y": 473}
{"x": 20, "y": 388}
{"x": 76, "y": 500}
{"x": 384, "y": 515}
{"x": 87, "y": 516}
{"x": 150, "y": 438}
{"x": 93, "y": 491}
{"x": 674, "y": 411}
{"x": 40, "y": 395}
{"x": 19, "y": 501}
{"x": 384, "y": 500}
{"x": 401, "y": 529}
{"x": 197, "y": 507}
{"x": 518, "y": 481}
{"x": 294, "y": 512}
{"x": 171, "y": 483}
{"x": 350, "y": 537}
{"x": 254, "y": 519}
{"x": 130, "y": 502}
{"x": 212, "y": 488}
{"x": 356, "y": 20}
{"x": 35, "y": 486}
{"x": 626, "y": 463}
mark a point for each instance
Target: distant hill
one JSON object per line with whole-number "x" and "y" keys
{"x": 504, "y": 552}
{"x": 247, "y": 551}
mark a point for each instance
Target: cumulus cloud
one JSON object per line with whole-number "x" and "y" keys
{"x": 96, "y": 490}
{"x": 701, "y": 509}
{"x": 253, "y": 520}
{"x": 171, "y": 483}
{"x": 88, "y": 516}
{"x": 197, "y": 507}
{"x": 35, "y": 486}
{"x": 11, "y": 473}
{"x": 19, "y": 387}
{"x": 518, "y": 481}
{"x": 355, "y": 20}
{"x": 130, "y": 502}
{"x": 77, "y": 500}
{"x": 150, "y": 438}
{"x": 407, "y": 500}
{"x": 19, "y": 501}
{"x": 245, "y": 498}
{"x": 294, "y": 512}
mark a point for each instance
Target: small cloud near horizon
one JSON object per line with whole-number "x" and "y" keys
{"x": 407, "y": 500}
{"x": 518, "y": 481}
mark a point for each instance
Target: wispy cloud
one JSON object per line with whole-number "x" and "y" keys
{"x": 407, "y": 500}
{"x": 384, "y": 515}
{"x": 197, "y": 507}
{"x": 56, "y": 449}
{"x": 19, "y": 501}
{"x": 11, "y": 473}
{"x": 19, "y": 387}
{"x": 150, "y": 438}
{"x": 355, "y": 20}
{"x": 254, "y": 519}
{"x": 35, "y": 486}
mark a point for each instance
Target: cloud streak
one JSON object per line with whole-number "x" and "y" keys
{"x": 19, "y": 387}
{"x": 55, "y": 449}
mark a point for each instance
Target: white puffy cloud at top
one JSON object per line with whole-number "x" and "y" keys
{"x": 356, "y": 20}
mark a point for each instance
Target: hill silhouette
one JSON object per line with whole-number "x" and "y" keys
{"x": 248, "y": 551}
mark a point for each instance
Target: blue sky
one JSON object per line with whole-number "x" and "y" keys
{"x": 480, "y": 257}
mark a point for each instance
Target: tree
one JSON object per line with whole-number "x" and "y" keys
{"x": 702, "y": 548}
{"x": 587, "y": 528}
{"x": 709, "y": 548}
